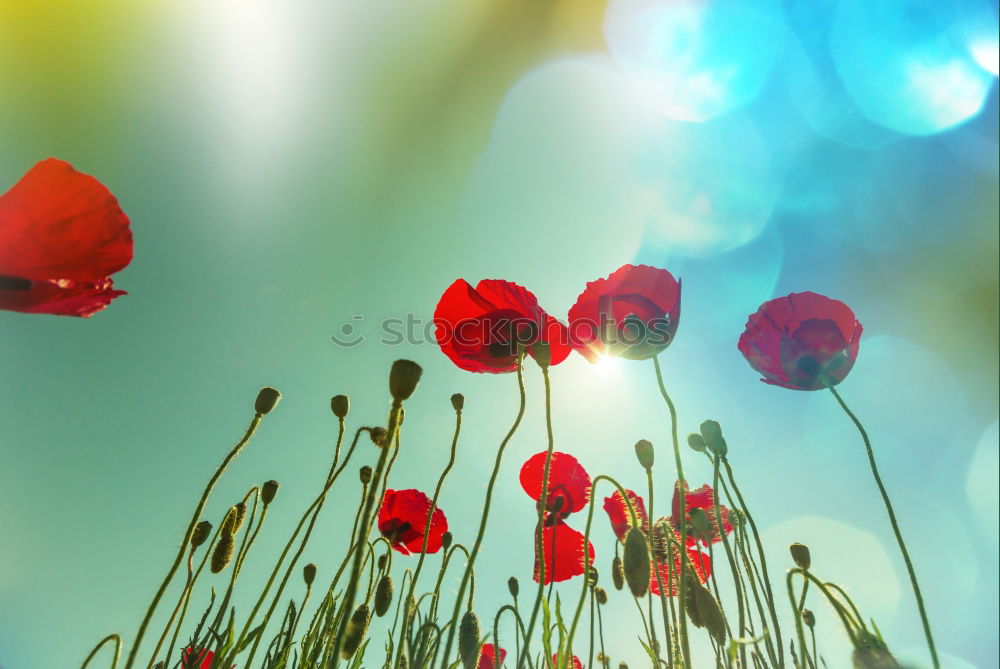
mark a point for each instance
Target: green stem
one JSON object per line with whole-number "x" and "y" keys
{"x": 486, "y": 513}
{"x": 895, "y": 528}
{"x": 114, "y": 659}
{"x": 187, "y": 538}
{"x": 682, "y": 487}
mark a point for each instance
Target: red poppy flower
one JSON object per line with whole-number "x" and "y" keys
{"x": 488, "y": 657}
{"x": 803, "y": 341}
{"x": 701, "y": 498}
{"x": 62, "y": 234}
{"x": 569, "y": 482}
{"x": 618, "y": 513}
{"x": 197, "y": 658}
{"x": 481, "y": 328}
{"x": 569, "y": 552}
{"x": 575, "y": 664}
{"x": 699, "y": 564}
{"x": 631, "y": 314}
{"x": 402, "y": 519}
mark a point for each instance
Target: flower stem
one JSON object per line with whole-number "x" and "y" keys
{"x": 895, "y": 529}
{"x": 187, "y": 537}
{"x": 682, "y": 487}
{"x": 114, "y": 659}
{"x": 486, "y": 513}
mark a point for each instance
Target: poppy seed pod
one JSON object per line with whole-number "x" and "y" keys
{"x": 365, "y": 474}
{"x": 241, "y": 515}
{"x": 356, "y": 629}
{"x": 711, "y": 432}
{"x": 223, "y": 552}
{"x": 468, "y": 640}
{"x": 696, "y": 442}
{"x": 601, "y": 595}
{"x": 617, "y": 573}
{"x": 268, "y": 491}
{"x": 383, "y": 595}
{"x": 340, "y": 405}
{"x": 403, "y": 379}
{"x": 309, "y": 574}
{"x": 267, "y": 399}
{"x": 378, "y": 435}
{"x": 636, "y": 562}
{"x": 808, "y": 618}
{"x": 200, "y": 534}
{"x": 446, "y": 540}
{"x": 513, "y": 586}
{"x": 458, "y": 402}
{"x": 800, "y": 553}
{"x": 644, "y": 451}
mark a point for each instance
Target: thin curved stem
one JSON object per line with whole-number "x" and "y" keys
{"x": 895, "y": 528}
{"x": 114, "y": 659}
{"x": 486, "y": 511}
{"x": 187, "y": 537}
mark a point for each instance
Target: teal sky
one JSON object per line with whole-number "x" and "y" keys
{"x": 288, "y": 168}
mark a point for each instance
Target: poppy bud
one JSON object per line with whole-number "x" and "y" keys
{"x": 403, "y": 379}
{"x": 446, "y": 540}
{"x": 200, "y": 534}
{"x": 340, "y": 405}
{"x": 699, "y": 522}
{"x": 704, "y": 611}
{"x": 737, "y": 518}
{"x": 241, "y": 515}
{"x": 223, "y": 552}
{"x": 268, "y": 491}
{"x": 617, "y": 573}
{"x": 601, "y": 595}
{"x": 636, "y": 562}
{"x": 267, "y": 399}
{"x": 622, "y": 665}
{"x": 229, "y": 520}
{"x": 383, "y": 595}
{"x": 711, "y": 432}
{"x": 404, "y": 663}
{"x": 644, "y": 451}
{"x": 800, "y": 554}
{"x": 365, "y": 474}
{"x": 542, "y": 353}
{"x": 458, "y": 402}
{"x": 411, "y": 608}
{"x": 378, "y": 435}
{"x": 309, "y": 574}
{"x": 513, "y": 586}
{"x": 468, "y": 640}
{"x": 696, "y": 442}
{"x": 356, "y": 629}
{"x": 592, "y": 576}
{"x": 808, "y": 618}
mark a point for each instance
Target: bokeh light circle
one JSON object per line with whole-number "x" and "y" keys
{"x": 983, "y": 481}
{"x": 694, "y": 59}
{"x": 906, "y": 64}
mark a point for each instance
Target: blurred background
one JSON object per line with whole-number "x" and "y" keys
{"x": 290, "y": 167}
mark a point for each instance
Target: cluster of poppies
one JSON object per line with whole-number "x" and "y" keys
{"x": 803, "y": 341}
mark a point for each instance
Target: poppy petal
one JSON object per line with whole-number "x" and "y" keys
{"x": 61, "y": 298}
{"x": 700, "y": 498}
{"x": 488, "y": 657}
{"x": 566, "y": 544}
{"x": 57, "y": 223}
{"x": 699, "y": 563}
{"x": 575, "y": 664}
{"x": 402, "y": 519}
{"x": 568, "y": 481}
{"x": 618, "y": 513}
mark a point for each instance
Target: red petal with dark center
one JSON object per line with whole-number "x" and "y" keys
{"x": 633, "y": 313}
{"x": 568, "y": 481}
{"x": 402, "y": 519}
{"x": 618, "y": 514}
{"x": 480, "y": 328}
{"x": 61, "y": 298}
{"x": 568, "y": 551}
{"x": 701, "y": 498}
{"x": 488, "y": 658}
{"x": 802, "y": 341}
{"x": 57, "y": 223}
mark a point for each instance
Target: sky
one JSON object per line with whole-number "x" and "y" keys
{"x": 290, "y": 168}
